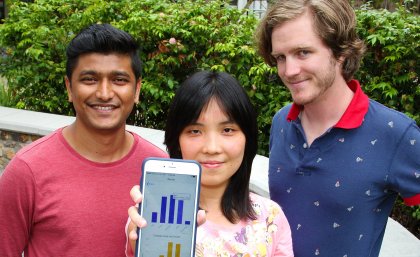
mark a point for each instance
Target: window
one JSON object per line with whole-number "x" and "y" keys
{"x": 2, "y": 10}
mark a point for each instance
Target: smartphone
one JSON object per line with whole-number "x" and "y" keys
{"x": 171, "y": 190}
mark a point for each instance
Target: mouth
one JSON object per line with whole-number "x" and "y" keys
{"x": 103, "y": 108}
{"x": 211, "y": 164}
{"x": 296, "y": 85}
{"x": 296, "y": 81}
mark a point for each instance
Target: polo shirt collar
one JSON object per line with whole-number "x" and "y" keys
{"x": 354, "y": 114}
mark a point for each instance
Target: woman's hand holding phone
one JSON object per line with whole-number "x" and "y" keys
{"x": 137, "y": 221}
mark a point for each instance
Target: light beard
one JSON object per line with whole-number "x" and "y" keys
{"x": 322, "y": 82}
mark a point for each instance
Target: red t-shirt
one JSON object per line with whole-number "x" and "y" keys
{"x": 54, "y": 202}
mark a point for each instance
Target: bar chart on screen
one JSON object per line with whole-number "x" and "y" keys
{"x": 176, "y": 209}
{"x": 173, "y": 250}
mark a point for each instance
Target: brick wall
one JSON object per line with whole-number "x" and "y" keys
{"x": 10, "y": 143}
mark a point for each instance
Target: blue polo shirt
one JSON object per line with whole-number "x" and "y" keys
{"x": 338, "y": 193}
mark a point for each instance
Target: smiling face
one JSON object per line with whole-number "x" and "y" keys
{"x": 305, "y": 64}
{"x": 103, "y": 90}
{"x": 216, "y": 142}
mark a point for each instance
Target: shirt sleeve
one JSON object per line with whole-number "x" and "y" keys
{"x": 17, "y": 201}
{"x": 282, "y": 239}
{"x": 405, "y": 167}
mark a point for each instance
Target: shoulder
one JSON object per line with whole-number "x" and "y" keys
{"x": 265, "y": 207}
{"x": 282, "y": 113}
{"x": 42, "y": 146}
{"x": 280, "y": 118}
{"x": 389, "y": 122}
{"x": 380, "y": 112}
{"x": 271, "y": 217}
{"x": 19, "y": 167}
{"x": 148, "y": 146}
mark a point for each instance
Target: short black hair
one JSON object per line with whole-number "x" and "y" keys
{"x": 190, "y": 99}
{"x": 106, "y": 39}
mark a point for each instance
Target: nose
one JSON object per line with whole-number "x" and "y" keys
{"x": 104, "y": 90}
{"x": 290, "y": 67}
{"x": 212, "y": 144}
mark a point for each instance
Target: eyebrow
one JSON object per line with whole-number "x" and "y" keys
{"x": 295, "y": 49}
{"x": 114, "y": 73}
{"x": 88, "y": 72}
{"x": 221, "y": 123}
{"x": 121, "y": 73}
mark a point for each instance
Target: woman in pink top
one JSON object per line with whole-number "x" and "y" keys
{"x": 211, "y": 120}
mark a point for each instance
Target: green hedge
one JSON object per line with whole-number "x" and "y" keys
{"x": 390, "y": 70}
{"x": 209, "y": 35}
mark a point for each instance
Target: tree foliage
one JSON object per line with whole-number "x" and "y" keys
{"x": 178, "y": 38}
{"x": 390, "y": 70}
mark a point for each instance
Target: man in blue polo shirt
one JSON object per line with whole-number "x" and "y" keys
{"x": 338, "y": 160}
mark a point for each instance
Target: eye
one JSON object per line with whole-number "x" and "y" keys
{"x": 228, "y": 130}
{"x": 280, "y": 58}
{"x": 88, "y": 80}
{"x": 194, "y": 132}
{"x": 303, "y": 53}
{"x": 231, "y": 129}
{"x": 121, "y": 80}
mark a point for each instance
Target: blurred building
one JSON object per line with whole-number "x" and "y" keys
{"x": 3, "y": 7}
{"x": 258, "y": 7}
{"x": 2, "y": 10}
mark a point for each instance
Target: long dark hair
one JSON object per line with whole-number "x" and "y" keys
{"x": 190, "y": 99}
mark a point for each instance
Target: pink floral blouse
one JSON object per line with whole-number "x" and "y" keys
{"x": 267, "y": 236}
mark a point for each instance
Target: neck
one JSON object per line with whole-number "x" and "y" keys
{"x": 317, "y": 117}
{"x": 210, "y": 201}
{"x": 97, "y": 146}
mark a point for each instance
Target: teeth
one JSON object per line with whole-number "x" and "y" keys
{"x": 104, "y": 108}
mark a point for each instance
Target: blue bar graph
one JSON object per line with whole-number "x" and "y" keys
{"x": 179, "y": 214}
{"x": 154, "y": 217}
{"x": 163, "y": 209}
{"x": 175, "y": 202}
{"x": 171, "y": 210}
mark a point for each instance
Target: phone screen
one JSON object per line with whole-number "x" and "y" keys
{"x": 169, "y": 207}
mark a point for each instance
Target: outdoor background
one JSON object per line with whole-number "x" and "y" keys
{"x": 180, "y": 37}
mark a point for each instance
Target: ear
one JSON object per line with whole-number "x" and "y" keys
{"x": 68, "y": 88}
{"x": 341, "y": 60}
{"x": 137, "y": 94}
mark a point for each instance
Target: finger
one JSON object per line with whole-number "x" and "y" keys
{"x": 132, "y": 236}
{"x": 135, "y": 194}
{"x": 135, "y": 217}
{"x": 131, "y": 227}
{"x": 201, "y": 217}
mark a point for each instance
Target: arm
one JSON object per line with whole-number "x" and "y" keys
{"x": 405, "y": 173}
{"x": 16, "y": 208}
{"x": 282, "y": 238}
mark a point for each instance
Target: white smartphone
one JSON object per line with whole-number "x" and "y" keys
{"x": 171, "y": 190}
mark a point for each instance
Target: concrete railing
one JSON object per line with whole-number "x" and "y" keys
{"x": 20, "y": 127}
